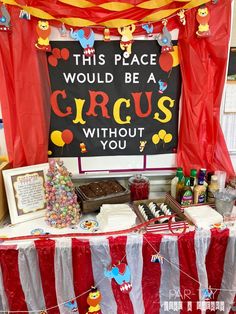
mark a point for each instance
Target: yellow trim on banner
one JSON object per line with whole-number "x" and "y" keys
{"x": 78, "y": 3}
{"x": 112, "y": 6}
{"x": 159, "y": 15}
{"x": 38, "y": 13}
{"x": 75, "y": 21}
{"x": 12, "y": 2}
{"x": 195, "y": 3}
{"x": 116, "y": 6}
{"x": 154, "y": 4}
{"x": 115, "y": 23}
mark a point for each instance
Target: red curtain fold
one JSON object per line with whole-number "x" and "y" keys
{"x": 203, "y": 67}
{"x": 24, "y": 93}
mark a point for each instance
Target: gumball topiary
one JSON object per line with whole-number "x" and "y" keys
{"x": 63, "y": 209}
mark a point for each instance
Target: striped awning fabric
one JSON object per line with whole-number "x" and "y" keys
{"x": 110, "y": 14}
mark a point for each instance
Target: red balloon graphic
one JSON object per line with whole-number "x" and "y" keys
{"x": 67, "y": 136}
{"x": 52, "y": 60}
{"x": 166, "y": 61}
{"x": 65, "y": 53}
{"x": 56, "y": 52}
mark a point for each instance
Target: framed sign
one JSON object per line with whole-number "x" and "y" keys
{"x": 25, "y": 192}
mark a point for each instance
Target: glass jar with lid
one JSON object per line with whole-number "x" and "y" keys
{"x": 139, "y": 187}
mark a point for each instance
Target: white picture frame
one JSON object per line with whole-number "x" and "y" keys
{"x": 25, "y": 190}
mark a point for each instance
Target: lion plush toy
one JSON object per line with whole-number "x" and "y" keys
{"x": 43, "y": 30}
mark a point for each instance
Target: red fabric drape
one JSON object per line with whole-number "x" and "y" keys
{"x": 203, "y": 66}
{"x": 23, "y": 93}
{"x": 25, "y": 85}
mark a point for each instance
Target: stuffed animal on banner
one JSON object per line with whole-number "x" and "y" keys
{"x": 148, "y": 28}
{"x": 162, "y": 86}
{"x": 164, "y": 39}
{"x": 93, "y": 300}
{"x": 86, "y": 38}
{"x": 43, "y": 30}
{"x": 181, "y": 15}
{"x": 126, "y": 42}
{"x": 71, "y": 305}
{"x": 4, "y": 19}
{"x": 121, "y": 274}
{"x": 203, "y": 17}
{"x": 106, "y": 34}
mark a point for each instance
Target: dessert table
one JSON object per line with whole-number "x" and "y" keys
{"x": 54, "y": 273}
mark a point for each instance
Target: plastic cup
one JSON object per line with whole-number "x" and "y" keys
{"x": 224, "y": 202}
{"x": 221, "y": 178}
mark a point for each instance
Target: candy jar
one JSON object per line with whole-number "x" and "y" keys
{"x": 139, "y": 187}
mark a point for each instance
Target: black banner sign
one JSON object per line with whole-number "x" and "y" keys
{"x": 108, "y": 105}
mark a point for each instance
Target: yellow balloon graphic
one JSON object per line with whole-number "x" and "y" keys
{"x": 168, "y": 138}
{"x": 57, "y": 139}
{"x": 162, "y": 134}
{"x": 175, "y": 56}
{"x": 155, "y": 139}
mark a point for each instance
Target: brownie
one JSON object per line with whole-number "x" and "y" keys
{"x": 101, "y": 188}
{"x": 95, "y": 187}
{"x": 87, "y": 191}
{"x": 116, "y": 187}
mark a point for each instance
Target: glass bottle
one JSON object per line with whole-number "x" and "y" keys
{"x": 186, "y": 194}
{"x": 212, "y": 188}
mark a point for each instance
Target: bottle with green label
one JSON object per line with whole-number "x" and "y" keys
{"x": 186, "y": 195}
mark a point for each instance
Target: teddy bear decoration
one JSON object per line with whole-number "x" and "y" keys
{"x": 43, "y": 31}
{"x": 126, "y": 41}
{"x": 203, "y": 17}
